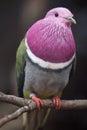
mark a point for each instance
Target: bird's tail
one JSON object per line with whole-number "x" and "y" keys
{"x": 35, "y": 119}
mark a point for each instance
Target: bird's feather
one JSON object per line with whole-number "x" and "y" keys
{"x": 20, "y": 65}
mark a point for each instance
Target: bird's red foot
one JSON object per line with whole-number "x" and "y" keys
{"x": 38, "y": 101}
{"x": 57, "y": 102}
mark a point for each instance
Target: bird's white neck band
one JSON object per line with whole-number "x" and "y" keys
{"x": 46, "y": 64}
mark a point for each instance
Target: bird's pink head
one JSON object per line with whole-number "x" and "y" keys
{"x": 62, "y": 14}
{"x": 60, "y": 11}
{"x": 51, "y": 38}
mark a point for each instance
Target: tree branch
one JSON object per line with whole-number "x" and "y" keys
{"x": 13, "y": 116}
{"x": 29, "y": 105}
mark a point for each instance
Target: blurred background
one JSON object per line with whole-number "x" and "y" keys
{"x": 15, "y": 18}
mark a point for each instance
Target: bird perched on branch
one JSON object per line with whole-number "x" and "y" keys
{"x": 45, "y": 60}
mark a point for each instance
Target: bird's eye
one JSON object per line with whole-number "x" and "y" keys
{"x": 56, "y": 14}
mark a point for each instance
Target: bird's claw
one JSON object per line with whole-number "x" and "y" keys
{"x": 38, "y": 102}
{"x": 57, "y": 102}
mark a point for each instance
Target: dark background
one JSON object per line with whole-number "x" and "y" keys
{"x": 15, "y": 18}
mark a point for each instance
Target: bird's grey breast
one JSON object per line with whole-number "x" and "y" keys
{"x": 44, "y": 82}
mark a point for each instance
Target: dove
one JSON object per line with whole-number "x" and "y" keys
{"x": 44, "y": 62}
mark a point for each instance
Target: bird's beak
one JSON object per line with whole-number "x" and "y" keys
{"x": 71, "y": 19}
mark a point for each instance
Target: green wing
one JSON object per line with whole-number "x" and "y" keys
{"x": 20, "y": 65}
